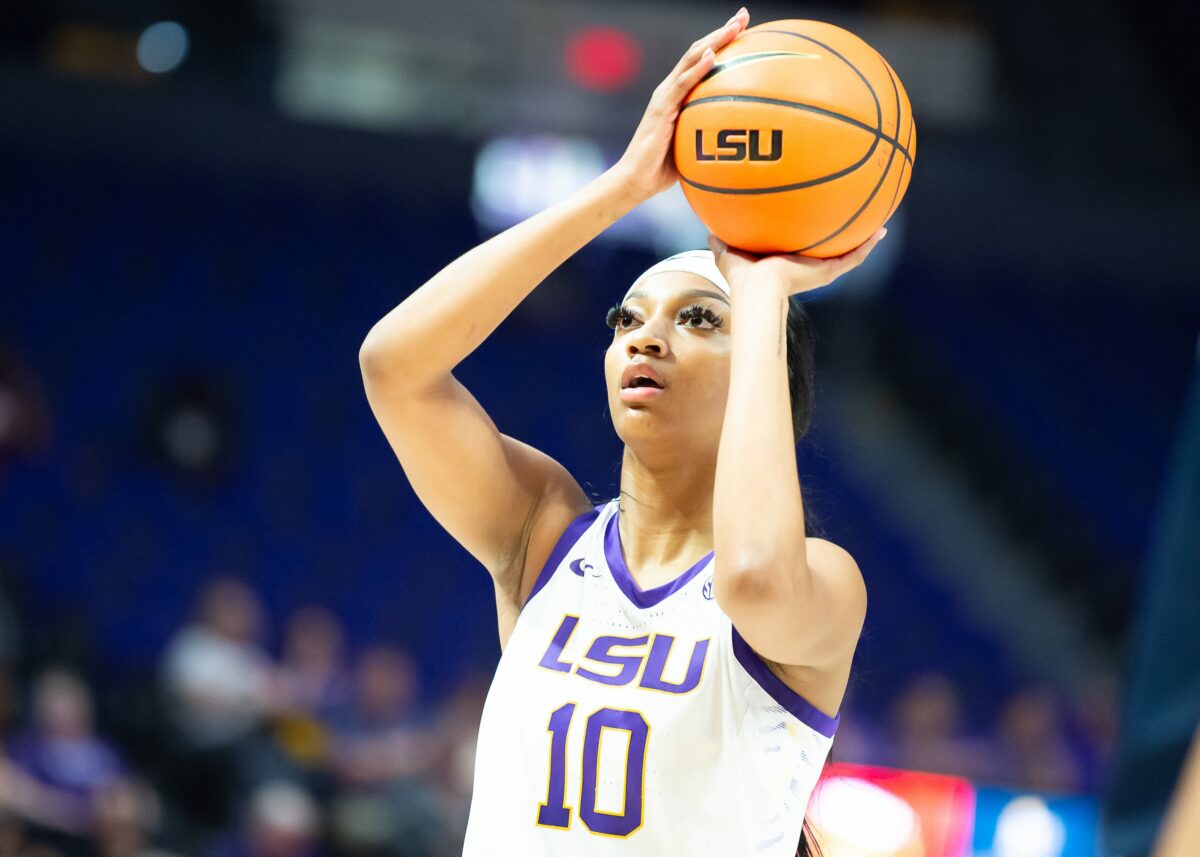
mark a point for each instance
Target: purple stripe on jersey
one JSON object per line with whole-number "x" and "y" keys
{"x": 624, "y": 580}
{"x": 801, "y": 708}
{"x": 565, "y": 542}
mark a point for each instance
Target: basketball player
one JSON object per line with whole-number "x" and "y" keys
{"x": 674, "y": 659}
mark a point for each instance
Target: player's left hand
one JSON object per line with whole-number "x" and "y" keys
{"x": 648, "y": 165}
{"x": 791, "y": 273}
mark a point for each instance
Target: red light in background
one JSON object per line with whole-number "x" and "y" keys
{"x": 944, "y": 805}
{"x": 602, "y": 59}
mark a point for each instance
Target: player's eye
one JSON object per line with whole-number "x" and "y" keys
{"x": 619, "y": 317}
{"x": 700, "y": 317}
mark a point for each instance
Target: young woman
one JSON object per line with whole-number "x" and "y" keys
{"x": 674, "y": 659}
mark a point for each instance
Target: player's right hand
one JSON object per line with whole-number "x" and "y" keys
{"x": 648, "y": 165}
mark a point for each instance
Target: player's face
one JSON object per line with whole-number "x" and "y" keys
{"x": 675, "y": 328}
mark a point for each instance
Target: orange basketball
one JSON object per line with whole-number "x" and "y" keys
{"x": 799, "y": 140}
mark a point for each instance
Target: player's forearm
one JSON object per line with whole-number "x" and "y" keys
{"x": 448, "y": 317}
{"x": 757, "y": 509}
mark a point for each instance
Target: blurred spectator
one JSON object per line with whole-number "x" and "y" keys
{"x": 217, "y": 683}
{"x": 1034, "y": 744}
{"x": 281, "y": 821}
{"x": 382, "y": 735}
{"x": 459, "y": 727}
{"x": 928, "y": 733}
{"x": 61, "y": 750}
{"x": 60, "y": 767}
{"x": 313, "y": 676}
{"x": 125, "y": 812}
{"x": 215, "y": 672}
{"x": 312, "y": 683}
{"x": 383, "y": 757}
{"x": 25, "y": 803}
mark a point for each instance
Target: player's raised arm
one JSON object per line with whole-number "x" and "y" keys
{"x": 797, "y": 601}
{"x": 493, "y": 494}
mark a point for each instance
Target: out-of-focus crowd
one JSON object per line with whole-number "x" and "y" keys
{"x": 321, "y": 750}
{"x": 1037, "y": 741}
{"x": 317, "y": 751}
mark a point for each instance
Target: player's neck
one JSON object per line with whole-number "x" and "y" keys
{"x": 666, "y": 518}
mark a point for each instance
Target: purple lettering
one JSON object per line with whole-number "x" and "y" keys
{"x": 554, "y": 812}
{"x": 550, "y": 660}
{"x": 656, "y": 663}
{"x": 600, "y": 652}
{"x": 630, "y": 819}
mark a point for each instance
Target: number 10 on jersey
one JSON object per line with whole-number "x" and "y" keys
{"x": 554, "y": 812}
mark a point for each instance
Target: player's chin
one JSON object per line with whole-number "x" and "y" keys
{"x": 637, "y": 418}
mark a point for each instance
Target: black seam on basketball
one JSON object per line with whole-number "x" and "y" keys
{"x": 800, "y": 105}
{"x": 878, "y": 184}
{"x": 911, "y": 127}
{"x": 896, "y": 192}
{"x": 780, "y": 189}
{"x": 748, "y": 58}
{"x": 853, "y": 67}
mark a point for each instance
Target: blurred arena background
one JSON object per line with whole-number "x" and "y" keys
{"x": 227, "y": 627}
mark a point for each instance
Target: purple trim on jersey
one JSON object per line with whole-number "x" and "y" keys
{"x": 801, "y": 708}
{"x": 565, "y": 542}
{"x": 624, "y": 580}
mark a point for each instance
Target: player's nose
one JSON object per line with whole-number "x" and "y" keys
{"x": 646, "y": 339}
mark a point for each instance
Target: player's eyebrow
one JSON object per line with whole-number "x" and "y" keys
{"x": 690, "y": 293}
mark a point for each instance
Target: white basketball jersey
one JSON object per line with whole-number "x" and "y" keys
{"x": 629, "y": 722}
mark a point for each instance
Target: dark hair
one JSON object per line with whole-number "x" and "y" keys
{"x": 801, "y": 352}
{"x": 807, "y": 846}
{"x": 801, "y": 347}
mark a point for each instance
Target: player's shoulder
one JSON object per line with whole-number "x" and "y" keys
{"x": 835, "y": 567}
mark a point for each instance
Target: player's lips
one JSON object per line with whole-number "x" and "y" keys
{"x": 640, "y": 382}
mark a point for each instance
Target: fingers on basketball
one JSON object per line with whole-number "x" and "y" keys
{"x": 689, "y": 78}
{"x": 714, "y": 41}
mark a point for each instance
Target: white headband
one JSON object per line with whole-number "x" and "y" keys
{"x": 698, "y": 262}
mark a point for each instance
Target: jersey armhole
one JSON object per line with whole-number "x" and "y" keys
{"x": 773, "y": 685}
{"x": 565, "y": 542}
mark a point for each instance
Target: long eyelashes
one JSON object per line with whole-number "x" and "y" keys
{"x": 699, "y": 311}
{"x": 619, "y": 318}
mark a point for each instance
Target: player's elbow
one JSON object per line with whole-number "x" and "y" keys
{"x": 368, "y": 353}
{"x": 376, "y": 359}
